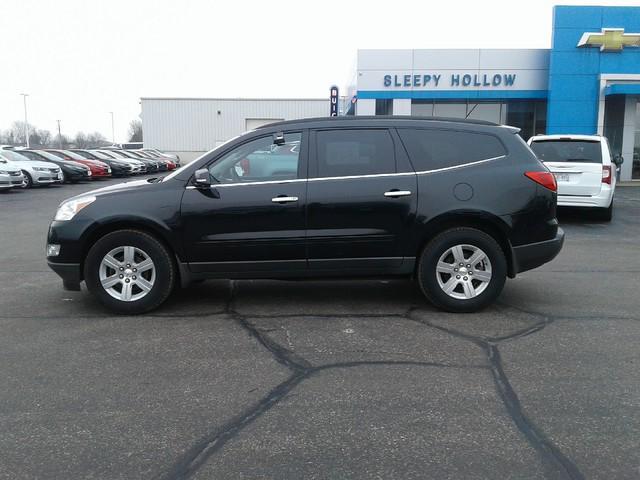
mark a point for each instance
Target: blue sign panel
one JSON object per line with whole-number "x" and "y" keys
{"x": 588, "y": 42}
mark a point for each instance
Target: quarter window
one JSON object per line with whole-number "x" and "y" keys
{"x": 434, "y": 149}
{"x": 354, "y": 152}
{"x": 259, "y": 160}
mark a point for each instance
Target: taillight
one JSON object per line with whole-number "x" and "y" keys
{"x": 546, "y": 179}
{"x": 606, "y": 174}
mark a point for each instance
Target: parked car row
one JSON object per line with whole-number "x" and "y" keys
{"x": 25, "y": 168}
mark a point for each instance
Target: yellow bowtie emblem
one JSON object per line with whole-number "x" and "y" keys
{"x": 610, "y": 39}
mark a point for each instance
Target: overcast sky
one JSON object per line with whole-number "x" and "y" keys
{"x": 79, "y": 60}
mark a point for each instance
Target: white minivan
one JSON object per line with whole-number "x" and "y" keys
{"x": 584, "y": 168}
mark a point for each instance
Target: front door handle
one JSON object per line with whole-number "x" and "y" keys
{"x": 397, "y": 193}
{"x": 284, "y": 199}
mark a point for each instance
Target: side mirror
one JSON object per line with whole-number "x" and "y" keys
{"x": 618, "y": 160}
{"x": 278, "y": 138}
{"x": 201, "y": 178}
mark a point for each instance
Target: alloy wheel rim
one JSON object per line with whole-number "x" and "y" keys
{"x": 127, "y": 273}
{"x": 463, "y": 271}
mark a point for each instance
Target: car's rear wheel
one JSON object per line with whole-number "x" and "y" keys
{"x": 130, "y": 271}
{"x": 605, "y": 214}
{"x": 462, "y": 270}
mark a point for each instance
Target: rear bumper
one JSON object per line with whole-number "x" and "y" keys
{"x": 70, "y": 274}
{"x": 601, "y": 200}
{"x": 592, "y": 202}
{"x": 532, "y": 255}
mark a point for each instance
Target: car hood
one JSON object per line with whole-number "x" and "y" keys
{"x": 9, "y": 167}
{"x": 118, "y": 188}
{"x": 29, "y": 164}
{"x": 73, "y": 164}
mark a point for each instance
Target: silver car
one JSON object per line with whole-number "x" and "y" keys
{"x": 10, "y": 176}
{"x": 35, "y": 173}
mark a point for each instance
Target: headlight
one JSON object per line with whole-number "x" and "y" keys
{"x": 68, "y": 209}
{"x": 40, "y": 169}
{"x": 4, "y": 172}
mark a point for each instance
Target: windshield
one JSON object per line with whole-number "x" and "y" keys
{"x": 74, "y": 155}
{"x": 45, "y": 155}
{"x": 13, "y": 156}
{"x": 100, "y": 155}
{"x": 561, "y": 150}
{"x": 110, "y": 155}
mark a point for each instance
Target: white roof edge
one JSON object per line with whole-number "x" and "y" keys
{"x": 572, "y": 136}
{"x": 239, "y": 99}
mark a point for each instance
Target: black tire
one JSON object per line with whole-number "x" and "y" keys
{"x": 438, "y": 246}
{"x": 28, "y": 181}
{"x": 605, "y": 214}
{"x": 159, "y": 254}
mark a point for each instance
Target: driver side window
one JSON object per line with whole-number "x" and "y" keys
{"x": 259, "y": 160}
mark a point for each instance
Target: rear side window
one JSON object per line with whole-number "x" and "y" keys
{"x": 354, "y": 152}
{"x": 434, "y": 149}
{"x": 568, "y": 151}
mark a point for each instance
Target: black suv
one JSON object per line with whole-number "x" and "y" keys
{"x": 458, "y": 205}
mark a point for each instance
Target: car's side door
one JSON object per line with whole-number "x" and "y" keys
{"x": 252, "y": 219}
{"x": 362, "y": 198}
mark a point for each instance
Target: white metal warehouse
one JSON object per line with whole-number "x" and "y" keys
{"x": 192, "y": 126}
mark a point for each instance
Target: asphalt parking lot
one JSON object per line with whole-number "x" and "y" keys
{"x": 336, "y": 380}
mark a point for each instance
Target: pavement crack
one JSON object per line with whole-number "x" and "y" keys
{"x": 391, "y": 363}
{"x": 197, "y": 455}
{"x": 559, "y": 465}
{"x": 281, "y": 354}
{"x": 551, "y": 454}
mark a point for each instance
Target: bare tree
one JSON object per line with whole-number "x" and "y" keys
{"x": 62, "y": 141}
{"x": 80, "y": 140}
{"x": 135, "y": 131}
{"x": 39, "y": 138}
{"x": 17, "y": 132}
{"x": 45, "y": 137}
{"x": 96, "y": 139}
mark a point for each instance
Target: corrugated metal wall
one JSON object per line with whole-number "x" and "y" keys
{"x": 199, "y": 124}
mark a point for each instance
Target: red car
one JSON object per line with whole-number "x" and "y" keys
{"x": 98, "y": 169}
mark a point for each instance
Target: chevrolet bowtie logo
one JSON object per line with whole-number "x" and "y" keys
{"x": 610, "y": 39}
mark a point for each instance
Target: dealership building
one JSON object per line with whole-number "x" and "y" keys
{"x": 588, "y": 82}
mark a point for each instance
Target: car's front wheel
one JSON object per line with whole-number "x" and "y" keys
{"x": 129, "y": 271}
{"x": 462, "y": 270}
{"x": 28, "y": 181}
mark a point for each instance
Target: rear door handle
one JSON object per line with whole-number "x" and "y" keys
{"x": 284, "y": 199}
{"x": 397, "y": 193}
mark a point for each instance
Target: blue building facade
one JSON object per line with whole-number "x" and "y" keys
{"x": 587, "y": 83}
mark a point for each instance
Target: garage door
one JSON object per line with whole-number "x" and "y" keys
{"x": 251, "y": 123}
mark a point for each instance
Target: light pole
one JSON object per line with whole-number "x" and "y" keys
{"x": 113, "y": 130}
{"x": 59, "y": 136}
{"x": 26, "y": 124}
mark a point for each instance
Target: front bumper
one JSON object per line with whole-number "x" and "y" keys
{"x": 70, "y": 274}
{"x": 532, "y": 255}
{"x": 45, "y": 178}
{"x": 100, "y": 174}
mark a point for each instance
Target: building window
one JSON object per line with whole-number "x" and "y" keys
{"x": 384, "y": 106}
{"x": 528, "y": 115}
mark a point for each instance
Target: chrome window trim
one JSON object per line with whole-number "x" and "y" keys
{"x": 352, "y": 177}
{"x": 463, "y": 165}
